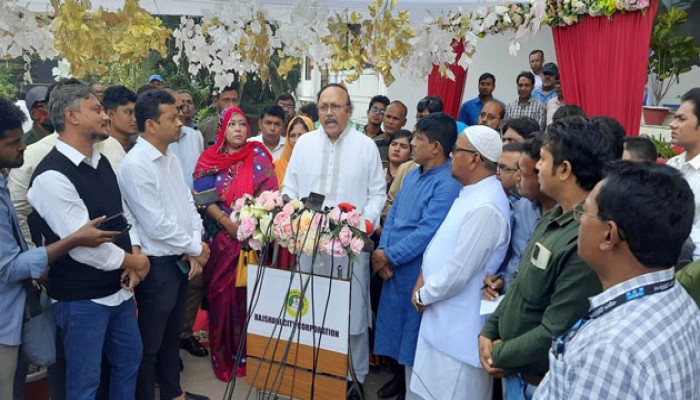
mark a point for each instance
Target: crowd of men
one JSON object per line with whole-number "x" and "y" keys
{"x": 570, "y": 225}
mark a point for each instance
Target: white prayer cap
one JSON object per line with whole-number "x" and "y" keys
{"x": 485, "y": 140}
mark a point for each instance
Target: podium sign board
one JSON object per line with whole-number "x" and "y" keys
{"x": 287, "y": 330}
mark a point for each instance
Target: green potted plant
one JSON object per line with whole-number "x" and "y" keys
{"x": 670, "y": 55}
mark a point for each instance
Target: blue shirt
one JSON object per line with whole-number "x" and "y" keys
{"x": 525, "y": 216}
{"x": 420, "y": 208}
{"x": 470, "y": 110}
{"x": 16, "y": 264}
{"x": 539, "y": 95}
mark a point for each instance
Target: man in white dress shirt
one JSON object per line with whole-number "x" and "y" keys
{"x": 342, "y": 164}
{"x": 471, "y": 243}
{"x": 272, "y": 128}
{"x": 685, "y": 133}
{"x": 151, "y": 180}
{"x": 94, "y": 309}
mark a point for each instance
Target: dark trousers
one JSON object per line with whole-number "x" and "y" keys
{"x": 161, "y": 303}
{"x": 195, "y": 292}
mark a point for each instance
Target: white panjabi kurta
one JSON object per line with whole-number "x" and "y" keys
{"x": 349, "y": 171}
{"x": 470, "y": 244}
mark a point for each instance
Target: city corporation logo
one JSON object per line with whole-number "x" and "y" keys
{"x": 293, "y": 299}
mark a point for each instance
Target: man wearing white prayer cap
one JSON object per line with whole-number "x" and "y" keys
{"x": 471, "y": 243}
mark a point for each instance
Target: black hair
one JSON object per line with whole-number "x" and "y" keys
{"x": 145, "y": 88}
{"x": 524, "y": 126}
{"x": 439, "y": 127}
{"x": 526, "y": 74}
{"x": 535, "y": 52}
{"x": 432, "y": 103}
{"x": 531, "y": 147}
{"x": 568, "y": 110}
{"x": 613, "y": 132}
{"x": 379, "y": 99}
{"x": 583, "y": 145}
{"x": 285, "y": 96}
{"x": 516, "y": 147}
{"x": 273, "y": 110}
{"x": 115, "y": 96}
{"x": 296, "y": 121}
{"x": 642, "y": 148}
{"x": 402, "y": 133}
{"x": 335, "y": 85}
{"x": 148, "y": 106}
{"x": 487, "y": 75}
{"x": 11, "y": 117}
{"x": 653, "y": 206}
{"x": 310, "y": 109}
{"x": 229, "y": 88}
{"x": 693, "y": 96}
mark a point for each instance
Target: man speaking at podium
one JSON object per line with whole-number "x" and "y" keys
{"x": 342, "y": 164}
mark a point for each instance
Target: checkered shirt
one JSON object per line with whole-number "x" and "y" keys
{"x": 646, "y": 348}
{"x": 533, "y": 109}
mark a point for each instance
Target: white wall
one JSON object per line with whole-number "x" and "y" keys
{"x": 492, "y": 56}
{"x": 687, "y": 81}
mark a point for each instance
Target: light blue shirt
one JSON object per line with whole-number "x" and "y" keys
{"x": 539, "y": 95}
{"x": 16, "y": 264}
{"x": 526, "y": 215}
{"x": 187, "y": 150}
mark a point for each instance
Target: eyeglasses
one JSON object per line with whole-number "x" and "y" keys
{"x": 377, "y": 110}
{"x": 286, "y": 106}
{"x": 505, "y": 168}
{"x": 456, "y": 149}
{"x": 326, "y": 108}
{"x": 578, "y": 213}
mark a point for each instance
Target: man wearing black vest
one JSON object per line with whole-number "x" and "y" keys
{"x": 170, "y": 230}
{"x": 92, "y": 287}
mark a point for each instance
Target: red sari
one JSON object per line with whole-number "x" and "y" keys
{"x": 249, "y": 170}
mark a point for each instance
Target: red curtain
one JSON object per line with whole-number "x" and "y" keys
{"x": 449, "y": 91}
{"x": 603, "y": 64}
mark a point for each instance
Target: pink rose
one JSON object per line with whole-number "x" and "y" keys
{"x": 334, "y": 215}
{"x": 354, "y": 219}
{"x": 356, "y": 246}
{"x": 238, "y": 204}
{"x": 320, "y": 220}
{"x": 246, "y": 228}
{"x": 334, "y": 248}
{"x": 345, "y": 236}
{"x": 254, "y": 244}
{"x": 269, "y": 204}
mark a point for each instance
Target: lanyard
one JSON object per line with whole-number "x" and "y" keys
{"x": 559, "y": 343}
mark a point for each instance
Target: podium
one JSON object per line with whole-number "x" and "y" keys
{"x": 297, "y": 336}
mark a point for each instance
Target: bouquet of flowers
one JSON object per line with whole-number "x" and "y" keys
{"x": 337, "y": 233}
{"x": 254, "y": 218}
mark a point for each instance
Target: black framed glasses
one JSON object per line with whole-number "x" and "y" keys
{"x": 578, "y": 212}
{"x": 502, "y": 168}
{"x": 456, "y": 149}
{"x": 326, "y": 108}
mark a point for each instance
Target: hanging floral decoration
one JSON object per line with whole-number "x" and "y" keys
{"x": 24, "y": 34}
{"x": 569, "y": 12}
{"x": 125, "y": 36}
{"x": 378, "y": 41}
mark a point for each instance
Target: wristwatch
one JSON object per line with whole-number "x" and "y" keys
{"x": 418, "y": 299}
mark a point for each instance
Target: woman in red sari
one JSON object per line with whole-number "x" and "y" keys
{"x": 234, "y": 167}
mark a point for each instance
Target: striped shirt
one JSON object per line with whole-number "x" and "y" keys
{"x": 533, "y": 109}
{"x": 646, "y": 348}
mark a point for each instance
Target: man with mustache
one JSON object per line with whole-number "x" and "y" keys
{"x": 342, "y": 164}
